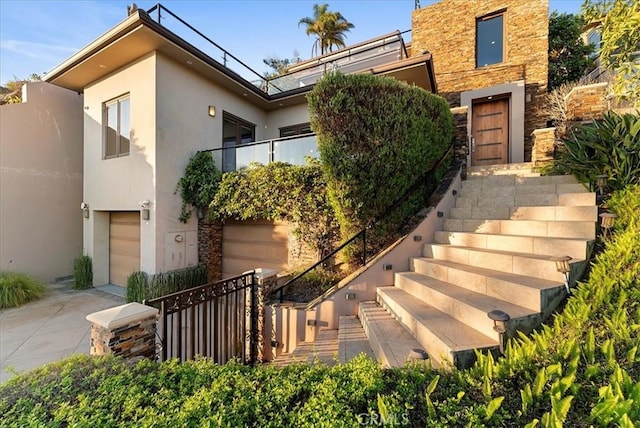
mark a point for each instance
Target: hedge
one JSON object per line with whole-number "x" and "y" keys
{"x": 376, "y": 138}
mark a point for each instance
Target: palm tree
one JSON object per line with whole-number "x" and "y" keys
{"x": 329, "y": 28}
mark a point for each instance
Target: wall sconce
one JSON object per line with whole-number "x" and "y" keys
{"x": 144, "y": 209}
{"x": 212, "y": 111}
{"x": 562, "y": 266}
{"x": 606, "y": 222}
{"x": 85, "y": 209}
{"x": 499, "y": 319}
{"x": 601, "y": 182}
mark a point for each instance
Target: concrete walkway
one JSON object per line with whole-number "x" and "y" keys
{"x": 49, "y": 329}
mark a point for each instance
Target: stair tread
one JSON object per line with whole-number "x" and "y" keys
{"x": 391, "y": 338}
{"x": 472, "y": 298}
{"x": 453, "y": 333}
{"x": 545, "y": 257}
{"x": 557, "y": 238}
{"x": 528, "y": 281}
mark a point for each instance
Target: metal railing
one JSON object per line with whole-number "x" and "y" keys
{"x": 217, "y": 320}
{"x": 293, "y": 150}
{"x": 362, "y": 234}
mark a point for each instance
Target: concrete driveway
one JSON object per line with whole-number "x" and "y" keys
{"x": 49, "y": 329}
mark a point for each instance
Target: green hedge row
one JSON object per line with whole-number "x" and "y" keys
{"x": 583, "y": 369}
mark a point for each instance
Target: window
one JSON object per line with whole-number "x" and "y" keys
{"x": 301, "y": 129}
{"x": 235, "y": 132}
{"x": 117, "y": 128}
{"x": 490, "y": 39}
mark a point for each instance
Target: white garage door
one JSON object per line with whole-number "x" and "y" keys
{"x": 124, "y": 246}
{"x": 247, "y": 245}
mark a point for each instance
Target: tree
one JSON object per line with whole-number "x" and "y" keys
{"x": 12, "y": 94}
{"x": 568, "y": 55}
{"x": 619, "y": 52}
{"x": 279, "y": 66}
{"x": 329, "y": 28}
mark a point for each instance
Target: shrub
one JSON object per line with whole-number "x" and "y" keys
{"x": 610, "y": 146}
{"x": 17, "y": 289}
{"x": 376, "y": 138}
{"x": 279, "y": 191}
{"x": 82, "y": 273}
{"x": 141, "y": 286}
{"x": 311, "y": 285}
{"x": 199, "y": 184}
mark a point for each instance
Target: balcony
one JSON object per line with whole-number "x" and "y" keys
{"x": 293, "y": 150}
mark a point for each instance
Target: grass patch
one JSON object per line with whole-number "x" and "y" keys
{"x": 16, "y": 289}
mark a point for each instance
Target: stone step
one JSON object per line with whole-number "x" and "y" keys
{"x": 532, "y": 199}
{"x": 529, "y": 292}
{"x": 467, "y": 306}
{"x": 501, "y": 212}
{"x": 446, "y": 339}
{"x": 352, "y": 340}
{"x": 390, "y": 342}
{"x": 496, "y": 187}
{"x": 569, "y": 229}
{"x": 574, "y": 247}
{"x": 536, "y": 265}
{"x": 503, "y": 169}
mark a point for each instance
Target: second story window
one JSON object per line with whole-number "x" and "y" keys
{"x": 289, "y": 131}
{"x": 116, "y": 128}
{"x": 490, "y": 39}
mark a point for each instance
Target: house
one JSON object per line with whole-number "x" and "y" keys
{"x": 152, "y": 99}
{"x": 41, "y": 182}
{"x": 490, "y": 56}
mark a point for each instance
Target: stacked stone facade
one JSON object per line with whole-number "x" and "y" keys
{"x": 447, "y": 30}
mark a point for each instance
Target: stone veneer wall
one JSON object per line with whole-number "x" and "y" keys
{"x": 447, "y": 30}
{"x": 586, "y": 103}
{"x": 210, "y": 248}
{"x": 543, "y": 146}
{"x": 460, "y": 136}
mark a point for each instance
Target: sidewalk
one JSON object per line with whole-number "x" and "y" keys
{"x": 50, "y": 328}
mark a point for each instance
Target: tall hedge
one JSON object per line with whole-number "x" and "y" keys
{"x": 376, "y": 137}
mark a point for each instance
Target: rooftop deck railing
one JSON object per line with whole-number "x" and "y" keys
{"x": 293, "y": 150}
{"x": 357, "y": 58}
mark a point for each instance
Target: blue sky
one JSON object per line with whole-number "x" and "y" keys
{"x": 37, "y": 35}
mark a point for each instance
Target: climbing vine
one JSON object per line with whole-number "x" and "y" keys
{"x": 199, "y": 184}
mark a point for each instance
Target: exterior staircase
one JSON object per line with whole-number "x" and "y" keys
{"x": 494, "y": 253}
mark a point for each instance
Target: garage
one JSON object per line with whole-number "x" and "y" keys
{"x": 124, "y": 245}
{"x": 247, "y": 245}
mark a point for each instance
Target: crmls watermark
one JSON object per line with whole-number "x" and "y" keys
{"x": 392, "y": 419}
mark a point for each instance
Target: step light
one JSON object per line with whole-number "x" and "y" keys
{"x": 562, "y": 266}
{"x": 606, "y": 222}
{"x": 499, "y": 319}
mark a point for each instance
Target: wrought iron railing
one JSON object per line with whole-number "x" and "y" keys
{"x": 293, "y": 150}
{"x": 217, "y": 320}
{"x": 362, "y": 234}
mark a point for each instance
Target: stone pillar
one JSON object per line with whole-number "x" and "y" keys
{"x": 267, "y": 279}
{"x": 127, "y": 330}
{"x": 543, "y": 146}
{"x": 461, "y": 137}
{"x": 210, "y": 248}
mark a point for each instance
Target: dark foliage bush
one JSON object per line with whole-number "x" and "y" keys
{"x": 376, "y": 138}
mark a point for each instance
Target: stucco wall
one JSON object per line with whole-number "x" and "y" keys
{"x": 447, "y": 29}
{"x": 286, "y": 116}
{"x": 41, "y": 182}
{"x": 119, "y": 184}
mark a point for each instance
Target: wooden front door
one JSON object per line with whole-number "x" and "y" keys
{"x": 490, "y": 132}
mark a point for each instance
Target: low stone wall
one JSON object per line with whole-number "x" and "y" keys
{"x": 586, "y": 103}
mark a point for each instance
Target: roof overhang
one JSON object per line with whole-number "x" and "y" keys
{"x": 139, "y": 35}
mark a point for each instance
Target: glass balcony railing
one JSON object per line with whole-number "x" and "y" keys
{"x": 293, "y": 150}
